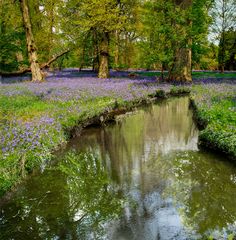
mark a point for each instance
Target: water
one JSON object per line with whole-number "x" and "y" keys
{"x": 142, "y": 177}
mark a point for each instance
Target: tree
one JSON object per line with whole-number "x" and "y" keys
{"x": 193, "y": 29}
{"x": 174, "y": 31}
{"x": 169, "y": 37}
{"x": 181, "y": 69}
{"x": 123, "y": 41}
{"x": 227, "y": 50}
{"x": 103, "y": 18}
{"x": 155, "y": 34}
{"x": 37, "y": 75}
{"x": 223, "y": 13}
{"x": 44, "y": 21}
{"x": 13, "y": 54}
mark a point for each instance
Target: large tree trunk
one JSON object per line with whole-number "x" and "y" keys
{"x": 37, "y": 75}
{"x": 182, "y": 67}
{"x": 104, "y": 55}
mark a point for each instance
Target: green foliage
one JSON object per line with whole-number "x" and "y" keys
{"x": 142, "y": 34}
{"x": 33, "y": 125}
{"x": 158, "y": 32}
{"x": 13, "y": 53}
{"x": 223, "y": 14}
{"x": 160, "y": 94}
{"x": 216, "y": 111}
{"x": 196, "y": 74}
{"x": 227, "y": 50}
{"x": 180, "y": 90}
{"x": 91, "y": 187}
{"x": 47, "y": 18}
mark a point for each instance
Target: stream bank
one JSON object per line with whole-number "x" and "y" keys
{"x": 54, "y": 113}
{"x": 141, "y": 177}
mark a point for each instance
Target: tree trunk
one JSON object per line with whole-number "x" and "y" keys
{"x": 95, "y": 52}
{"x": 182, "y": 67}
{"x": 126, "y": 55}
{"x": 37, "y": 75}
{"x": 221, "y": 54}
{"x": 82, "y": 60}
{"x": 222, "y": 40}
{"x": 117, "y": 50}
{"x": 104, "y": 55}
{"x": 25, "y": 70}
{"x": 162, "y": 72}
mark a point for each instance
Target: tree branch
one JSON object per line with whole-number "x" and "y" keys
{"x": 47, "y": 64}
{"x": 42, "y": 66}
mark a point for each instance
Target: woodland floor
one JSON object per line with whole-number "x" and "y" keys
{"x": 35, "y": 118}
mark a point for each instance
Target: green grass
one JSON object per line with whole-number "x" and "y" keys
{"x": 17, "y": 112}
{"x": 213, "y": 75}
{"x": 216, "y": 111}
{"x": 25, "y": 107}
{"x": 31, "y": 127}
{"x": 194, "y": 74}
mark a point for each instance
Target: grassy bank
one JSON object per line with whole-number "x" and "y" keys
{"x": 215, "y": 106}
{"x": 196, "y": 74}
{"x": 35, "y": 119}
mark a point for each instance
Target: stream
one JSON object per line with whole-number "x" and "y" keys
{"x": 139, "y": 178}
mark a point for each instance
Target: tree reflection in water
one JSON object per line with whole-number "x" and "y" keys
{"x": 72, "y": 201}
{"x": 93, "y": 199}
{"x": 149, "y": 159}
{"x": 204, "y": 188}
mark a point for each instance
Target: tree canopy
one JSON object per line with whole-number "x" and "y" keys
{"x": 162, "y": 35}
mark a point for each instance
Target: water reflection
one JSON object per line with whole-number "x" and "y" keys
{"x": 73, "y": 201}
{"x": 141, "y": 178}
{"x": 206, "y": 189}
{"x": 154, "y": 131}
{"x": 93, "y": 199}
{"x": 153, "y": 154}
